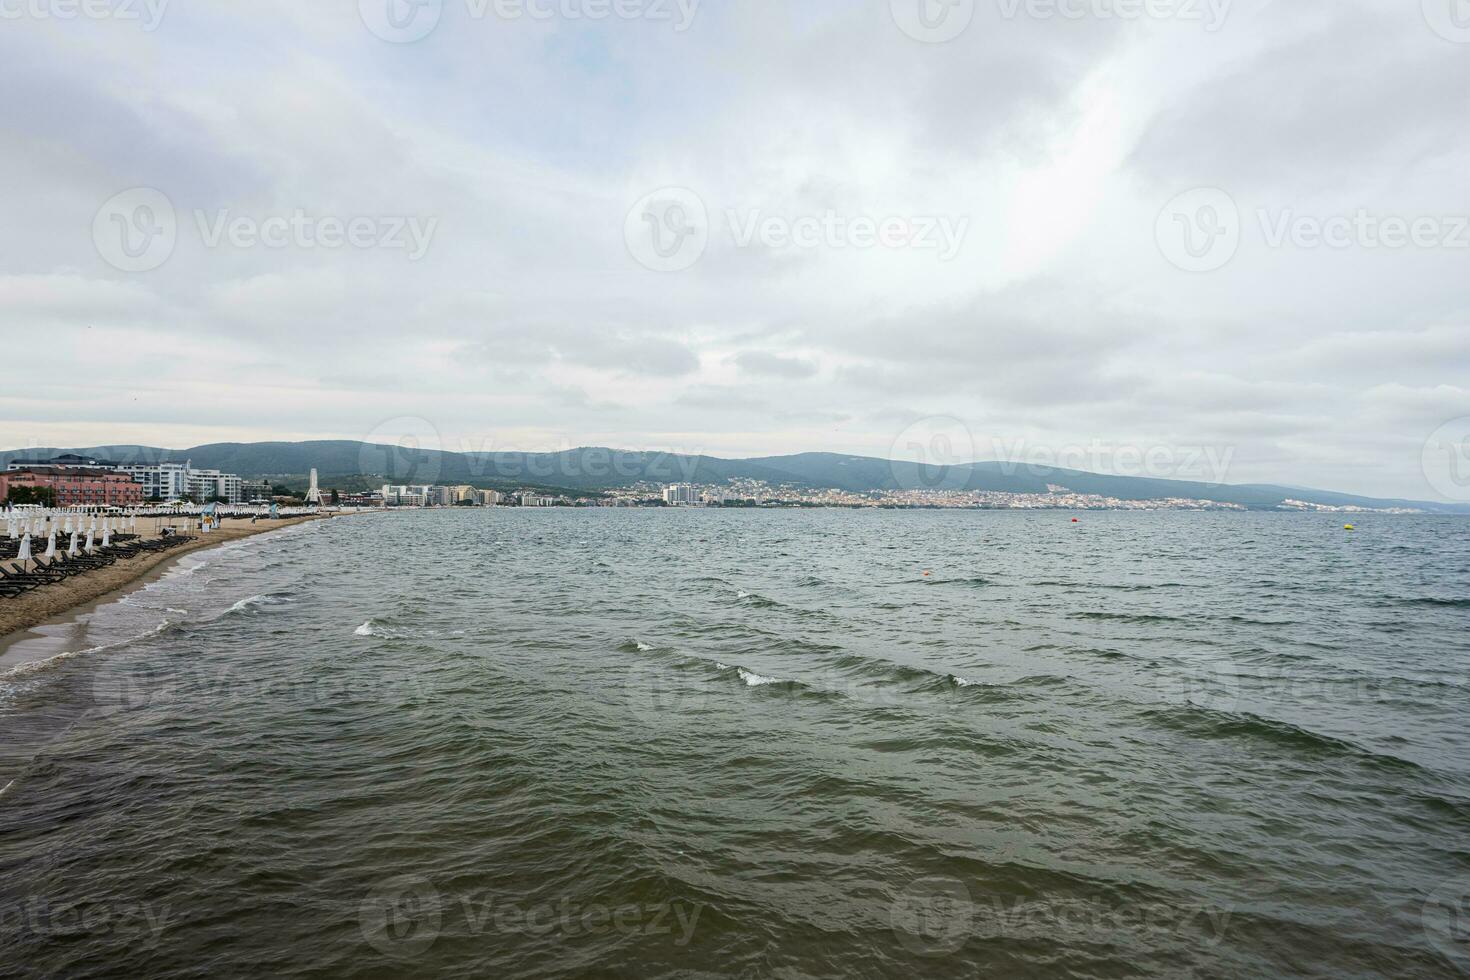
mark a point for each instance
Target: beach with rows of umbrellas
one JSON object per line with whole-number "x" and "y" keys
{"x": 55, "y": 559}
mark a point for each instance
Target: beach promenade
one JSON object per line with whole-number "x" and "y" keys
{"x": 27, "y": 610}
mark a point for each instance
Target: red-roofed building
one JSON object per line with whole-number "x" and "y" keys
{"x": 76, "y": 487}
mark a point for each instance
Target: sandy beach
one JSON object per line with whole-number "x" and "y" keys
{"x": 38, "y": 606}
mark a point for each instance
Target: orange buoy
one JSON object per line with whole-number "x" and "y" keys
{"x": 1076, "y": 520}
{"x": 926, "y": 574}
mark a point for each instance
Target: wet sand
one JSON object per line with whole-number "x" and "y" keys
{"x": 39, "y": 605}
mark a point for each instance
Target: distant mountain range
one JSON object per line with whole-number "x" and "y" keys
{"x": 599, "y": 469}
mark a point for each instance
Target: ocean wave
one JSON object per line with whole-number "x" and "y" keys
{"x": 1211, "y": 723}
{"x": 972, "y": 581}
{"x": 751, "y": 678}
{"x": 384, "y": 631}
{"x": 259, "y": 601}
{"x": 1139, "y": 619}
{"x": 21, "y": 671}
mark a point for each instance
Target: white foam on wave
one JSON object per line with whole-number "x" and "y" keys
{"x": 959, "y": 681}
{"x": 741, "y": 594}
{"x": 752, "y": 679}
{"x": 374, "y": 628}
{"x": 641, "y": 646}
{"x": 36, "y": 666}
{"x": 256, "y": 601}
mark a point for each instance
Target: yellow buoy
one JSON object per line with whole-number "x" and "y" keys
{"x": 1348, "y": 527}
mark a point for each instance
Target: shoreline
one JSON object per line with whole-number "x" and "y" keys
{"x": 51, "y": 603}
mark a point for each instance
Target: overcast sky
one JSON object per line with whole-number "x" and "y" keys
{"x": 1206, "y": 239}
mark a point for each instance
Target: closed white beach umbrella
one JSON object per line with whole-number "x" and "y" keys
{"x": 106, "y": 535}
{"x": 88, "y": 546}
{"x": 71, "y": 551}
{"x": 51, "y": 545}
{"x": 25, "y": 550}
{"x": 66, "y": 528}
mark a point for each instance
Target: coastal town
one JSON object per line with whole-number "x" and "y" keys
{"x": 70, "y": 480}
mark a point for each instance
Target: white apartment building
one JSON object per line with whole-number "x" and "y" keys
{"x": 680, "y": 494}
{"x": 165, "y": 481}
{"x": 407, "y": 496}
{"x": 204, "y": 484}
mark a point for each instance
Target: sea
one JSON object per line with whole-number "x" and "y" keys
{"x": 560, "y": 742}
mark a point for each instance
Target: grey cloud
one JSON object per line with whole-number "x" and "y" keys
{"x": 763, "y": 363}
